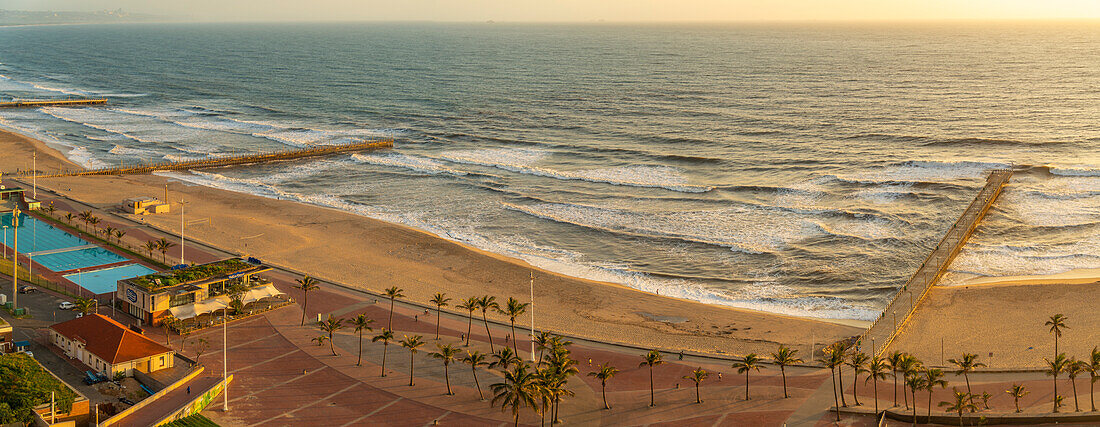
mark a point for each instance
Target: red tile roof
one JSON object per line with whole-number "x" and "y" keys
{"x": 108, "y": 339}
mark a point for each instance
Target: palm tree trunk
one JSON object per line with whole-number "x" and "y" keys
{"x": 360, "y": 361}
{"x": 331, "y": 347}
{"x": 895, "y": 387}
{"x": 651, "y": 404}
{"x": 1076, "y": 406}
{"x": 836, "y": 401}
{"x": 905, "y": 397}
{"x": 478, "y": 384}
{"x": 603, "y": 392}
{"x": 515, "y": 345}
{"x": 469, "y": 328}
{"x": 385, "y": 348}
{"x": 390, "y": 323}
{"x": 1017, "y": 400}
{"x": 746, "y": 385}
{"x": 874, "y": 380}
{"x": 1056, "y": 381}
{"x": 967, "y": 376}
{"x": 412, "y": 361}
{"x": 517, "y": 419}
{"x": 929, "y": 405}
{"x": 447, "y": 376}
{"x": 485, "y": 318}
{"x": 840, "y": 377}
{"x": 1092, "y": 399}
{"x": 438, "y": 314}
{"x": 305, "y": 303}
{"x": 697, "y": 399}
{"x": 855, "y": 381}
{"x": 784, "y": 372}
{"x": 914, "y": 408}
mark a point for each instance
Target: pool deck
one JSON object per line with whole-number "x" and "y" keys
{"x": 59, "y": 276}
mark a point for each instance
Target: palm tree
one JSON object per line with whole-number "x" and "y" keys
{"x": 1017, "y": 391}
{"x": 909, "y": 367}
{"x": 542, "y": 342}
{"x": 94, "y": 221}
{"x": 330, "y": 326}
{"x": 513, "y": 308}
{"x": 306, "y": 284}
{"x": 841, "y": 347}
{"x": 896, "y": 360}
{"x": 858, "y": 362}
{"x": 393, "y": 293}
{"x": 169, "y": 322}
{"x": 85, "y": 305}
{"x": 386, "y": 336}
{"x": 1057, "y": 322}
{"x": 108, "y": 232}
{"x": 118, "y": 236}
{"x": 967, "y": 363}
{"x": 697, "y": 376}
{"x": 877, "y": 370}
{"x": 1055, "y": 367}
{"x": 1074, "y": 368}
{"x": 163, "y": 245}
{"x": 519, "y": 389}
{"x": 651, "y": 359}
{"x": 1093, "y": 368}
{"x": 475, "y": 359}
{"x": 151, "y": 246}
{"x": 783, "y": 358}
{"x": 834, "y": 358}
{"x": 559, "y": 368}
{"x": 469, "y": 304}
{"x": 50, "y": 208}
{"x": 503, "y": 359}
{"x": 412, "y": 343}
{"x": 361, "y": 323}
{"x": 485, "y": 303}
{"x": 320, "y": 340}
{"x": 603, "y": 373}
{"x": 69, "y": 218}
{"x": 440, "y": 300}
{"x": 447, "y": 354}
{"x": 200, "y": 347}
{"x": 932, "y": 377}
{"x": 748, "y": 364}
{"x": 963, "y": 401}
{"x": 85, "y": 216}
{"x": 914, "y": 382}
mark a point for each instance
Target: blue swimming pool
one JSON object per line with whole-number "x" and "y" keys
{"x": 37, "y": 236}
{"x": 82, "y": 258}
{"x": 106, "y": 280}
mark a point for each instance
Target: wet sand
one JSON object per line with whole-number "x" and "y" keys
{"x": 373, "y": 255}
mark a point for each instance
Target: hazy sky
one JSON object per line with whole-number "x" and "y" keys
{"x": 585, "y": 10}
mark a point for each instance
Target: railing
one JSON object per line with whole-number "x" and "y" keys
{"x": 49, "y": 102}
{"x": 882, "y": 331}
{"x": 222, "y": 161}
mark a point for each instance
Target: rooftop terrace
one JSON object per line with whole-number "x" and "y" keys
{"x": 194, "y": 275}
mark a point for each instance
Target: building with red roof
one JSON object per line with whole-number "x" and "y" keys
{"x": 110, "y": 347}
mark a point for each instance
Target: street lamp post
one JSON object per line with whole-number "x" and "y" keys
{"x": 533, "y": 317}
{"x": 5, "y": 226}
{"x": 225, "y": 361}
{"x": 15, "y": 256}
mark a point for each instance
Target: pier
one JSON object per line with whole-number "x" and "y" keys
{"x": 211, "y": 162}
{"x": 35, "y": 103}
{"x": 909, "y": 297}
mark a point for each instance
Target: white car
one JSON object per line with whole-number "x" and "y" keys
{"x": 66, "y": 305}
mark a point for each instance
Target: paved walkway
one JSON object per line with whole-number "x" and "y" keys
{"x": 168, "y": 403}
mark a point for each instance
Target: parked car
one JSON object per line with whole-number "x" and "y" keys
{"x": 65, "y": 305}
{"x": 93, "y": 378}
{"x": 27, "y": 289}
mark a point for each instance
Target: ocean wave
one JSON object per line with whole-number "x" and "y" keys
{"x": 1075, "y": 171}
{"x": 411, "y": 162}
{"x": 521, "y": 161}
{"x": 1009, "y": 259}
{"x": 922, "y": 171}
{"x": 84, "y": 158}
{"x": 743, "y": 229}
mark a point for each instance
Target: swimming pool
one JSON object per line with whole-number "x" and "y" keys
{"x": 82, "y": 258}
{"x": 106, "y": 280}
{"x": 38, "y": 236}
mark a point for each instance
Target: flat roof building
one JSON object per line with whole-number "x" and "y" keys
{"x": 110, "y": 347}
{"x": 192, "y": 291}
{"x": 10, "y": 197}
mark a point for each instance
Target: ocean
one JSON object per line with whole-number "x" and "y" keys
{"x": 798, "y": 169}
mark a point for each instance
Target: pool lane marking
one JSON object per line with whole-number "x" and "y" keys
{"x": 60, "y": 250}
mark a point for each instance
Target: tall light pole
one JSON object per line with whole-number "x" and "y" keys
{"x": 533, "y": 317}
{"x": 34, "y": 178}
{"x": 181, "y": 231}
{"x": 5, "y": 226}
{"x": 15, "y": 257}
{"x": 225, "y": 361}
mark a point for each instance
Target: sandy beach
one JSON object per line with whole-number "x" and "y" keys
{"x": 374, "y": 255}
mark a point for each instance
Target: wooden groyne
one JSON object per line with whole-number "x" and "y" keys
{"x": 211, "y": 162}
{"x": 34, "y": 103}
{"x": 898, "y": 312}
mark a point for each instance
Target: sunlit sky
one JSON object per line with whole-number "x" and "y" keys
{"x": 585, "y": 10}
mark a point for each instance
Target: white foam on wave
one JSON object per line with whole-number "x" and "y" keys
{"x": 1055, "y": 202}
{"x": 411, "y": 162}
{"x": 884, "y": 194}
{"x": 560, "y": 261}
{"x": 523, "y": 160}
{"x": 84, "y": 158}
{"x": 1080, "y": 170}
{"x": 923, "y": 171}
{"x": 1018, "y": 259}
{"x": 750, "y": 230}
